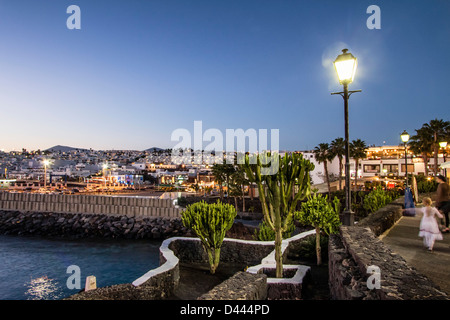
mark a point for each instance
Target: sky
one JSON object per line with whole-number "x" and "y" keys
{"x": 138, "y": 70}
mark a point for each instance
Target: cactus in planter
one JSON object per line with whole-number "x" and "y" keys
{"x": 210, "y": 222}
{"x": 276, "y": 178}
{"x": 318, "y": 212}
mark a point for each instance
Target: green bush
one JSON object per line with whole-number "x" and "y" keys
{"x": 376, "y": 199}
{"x": 425, "y": 185}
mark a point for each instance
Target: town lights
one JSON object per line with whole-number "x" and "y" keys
{"x": 345, "y": 65}
{"x": 443, "y": 145}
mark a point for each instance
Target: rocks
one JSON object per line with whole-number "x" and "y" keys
{"x": 77, "y": 225}
{"x": 241, "y": 286}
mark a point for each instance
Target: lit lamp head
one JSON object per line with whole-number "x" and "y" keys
{"x": 443, "y": 144}
{"x": 46, "y": 162}
{"x": 345, "y": 65}
{"x": 404, "y": 136}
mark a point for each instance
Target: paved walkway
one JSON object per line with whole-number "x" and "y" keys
{"x": 404, "y": 239}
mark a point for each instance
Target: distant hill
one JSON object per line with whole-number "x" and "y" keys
{"x": 60, "y": 148}
{"x": 153, "y": 149}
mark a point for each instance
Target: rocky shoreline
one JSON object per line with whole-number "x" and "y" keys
{"x": 82, "y": 225}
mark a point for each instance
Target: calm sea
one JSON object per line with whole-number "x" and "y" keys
{"x": 33, "y": 268}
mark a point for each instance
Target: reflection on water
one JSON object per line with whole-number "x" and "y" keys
{"x": 35, "y": 268}
{"x": 43, "y": 288}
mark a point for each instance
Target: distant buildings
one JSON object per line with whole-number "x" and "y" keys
{"x": 155, "y": 167}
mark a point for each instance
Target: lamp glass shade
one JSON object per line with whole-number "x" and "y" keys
{"x": 345, "y": 65}
{"x": 443, "y": 144}
{"x": 404, "y": 136}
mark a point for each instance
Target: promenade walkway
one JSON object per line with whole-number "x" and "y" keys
{"x": 403, "y": 238}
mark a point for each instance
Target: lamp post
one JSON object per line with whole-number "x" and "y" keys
{"x": 46, "y": 163}
{"x": 104, "y": 166}
{"x": 345, "y": 65}
{"x": 405, "y": 138}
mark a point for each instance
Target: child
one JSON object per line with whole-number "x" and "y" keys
{"x": 429, "y": 228}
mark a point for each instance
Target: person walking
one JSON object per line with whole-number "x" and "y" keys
{"x": 429, "y": 228}
{"x": 442, "y": 199}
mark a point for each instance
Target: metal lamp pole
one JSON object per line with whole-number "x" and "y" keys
{"x": 345, "y": 65}
{"x": 405, "y": 137}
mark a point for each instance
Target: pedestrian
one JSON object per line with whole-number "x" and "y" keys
{"x": 442, "y": 199}
{"x": 429, "y": 228}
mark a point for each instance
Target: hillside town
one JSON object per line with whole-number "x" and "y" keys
{"x": 69, "y": 170}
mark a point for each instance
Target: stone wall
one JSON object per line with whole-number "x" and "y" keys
{"x": 241, "y": 286}
{"x": 384, "y": 218}
{"x": 94, "y": 204}
{"x": 161, "y": 282}
{"x": 356, "y": 248}
{"x": 77, "y": 225}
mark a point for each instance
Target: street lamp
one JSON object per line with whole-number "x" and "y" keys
{"x": 104, "y": 166}
{"x": 405, "y": 138}
{"x": 46, "y": 163}
{"x": 345, "y": 65}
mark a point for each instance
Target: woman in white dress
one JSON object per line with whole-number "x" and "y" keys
{"x": 429, "y": 228}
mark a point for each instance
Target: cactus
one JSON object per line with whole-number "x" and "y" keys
{"x": 318, "y": 212}
{"x": 210, "y": 222}
{"x": 265, "y": 233}
{"x": 276, "y": 177}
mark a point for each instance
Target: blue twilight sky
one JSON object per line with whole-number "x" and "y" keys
{"x": 137, "y": 70}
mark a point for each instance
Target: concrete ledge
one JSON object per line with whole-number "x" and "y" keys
{"x": 161, "y": 282}
{"x": 286, "y": 287}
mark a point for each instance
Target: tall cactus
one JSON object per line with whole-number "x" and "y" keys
{"x": 210, "y": 222}
{"x": 276, "y": 177}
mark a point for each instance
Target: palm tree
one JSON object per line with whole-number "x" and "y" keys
{"x": 238, "y": 181}
{"x": 338, "y": 150}
{"x": 323, "y": 154}
{"x": 222, "y": 174}
{"x": 357, "y": 151}
{"x": 219, "y": 177}
{"x": 438, "y": 129}
{"x": 421, "y": 143}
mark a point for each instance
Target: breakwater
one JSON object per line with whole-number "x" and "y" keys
{"x": 93, "y": 204}
{"x": 77, "y": 225}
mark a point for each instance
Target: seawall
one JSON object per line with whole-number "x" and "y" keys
{"x": 93, "y": 204}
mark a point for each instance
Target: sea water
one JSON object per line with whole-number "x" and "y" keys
{"x": 36, "y": 268}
